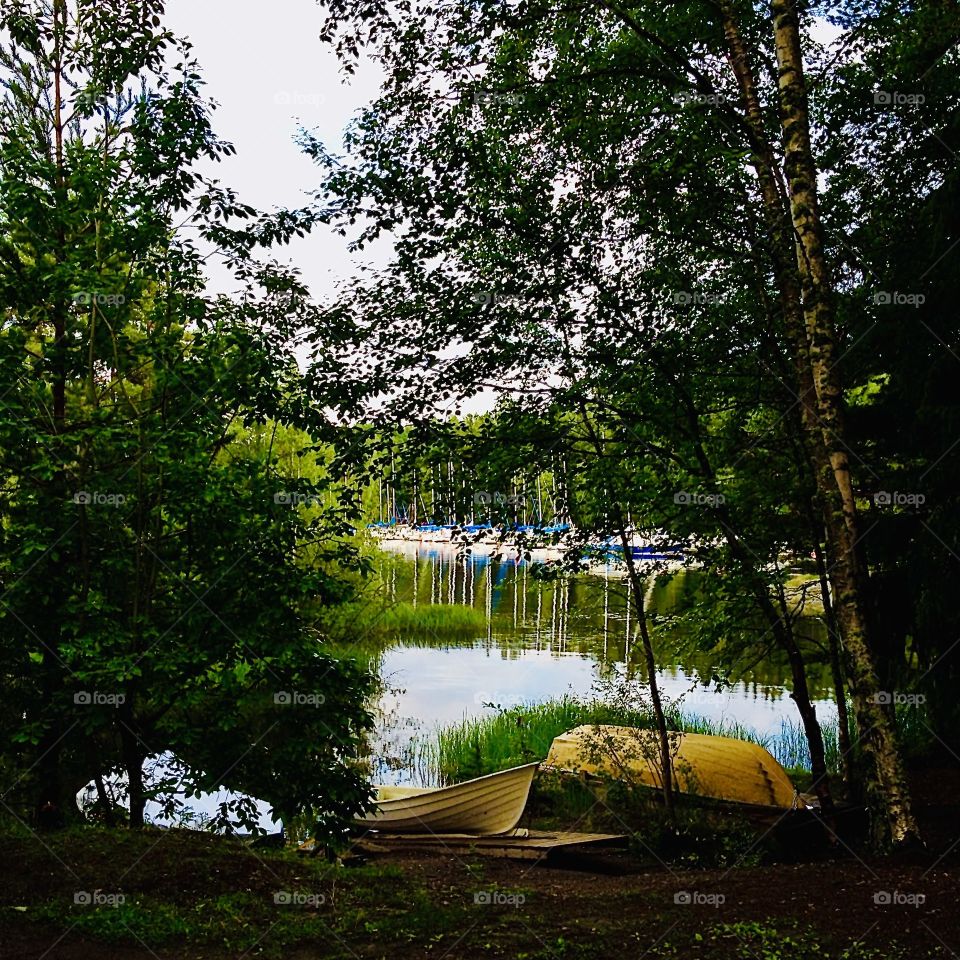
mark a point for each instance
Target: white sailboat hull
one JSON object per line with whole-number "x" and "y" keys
{"x": 484, "y": 807}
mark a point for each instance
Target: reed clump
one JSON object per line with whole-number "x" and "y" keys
{"x": 521, "y": 734}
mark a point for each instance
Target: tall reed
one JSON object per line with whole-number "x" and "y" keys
{"x": 481, "y": 745}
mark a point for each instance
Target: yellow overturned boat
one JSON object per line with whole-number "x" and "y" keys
{"x": 485, "y": 807}
{"x": 715, "y": 768}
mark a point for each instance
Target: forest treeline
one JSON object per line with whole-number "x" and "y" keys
{"x": 705, "y": 257}
{"x": 697, "y": 264}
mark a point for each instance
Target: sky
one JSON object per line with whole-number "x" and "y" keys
{"x": 266, "y": 67}
{"x": 269, "y": 72}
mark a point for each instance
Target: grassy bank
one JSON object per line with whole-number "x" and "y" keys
{"x": 442, "y": 620}
{"x": 521, "y": 734}
{"x": 372, "y": 621}
{"x": 205, "y": 895}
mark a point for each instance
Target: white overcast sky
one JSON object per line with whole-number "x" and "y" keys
{"x": 265, "y": 66}
{"x": 267, "y": 69}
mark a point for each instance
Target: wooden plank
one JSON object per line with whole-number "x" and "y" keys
{"x": 534, "y": 846}
{"x": 532, "y": 838}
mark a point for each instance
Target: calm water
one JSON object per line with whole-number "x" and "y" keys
{"x": 540, "y": 640}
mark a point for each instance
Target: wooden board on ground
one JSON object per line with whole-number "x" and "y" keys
{"x": 524, "y": 845}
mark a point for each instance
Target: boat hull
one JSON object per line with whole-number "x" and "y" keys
{"x": 709, "y": 767}
{"x": 485, "y": 807}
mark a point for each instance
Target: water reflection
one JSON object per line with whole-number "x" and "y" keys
{"x": 543, "y": 639}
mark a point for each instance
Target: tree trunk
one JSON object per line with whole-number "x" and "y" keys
{"x": 663, "y": 734}
{"x": 783, "y": 634}
{"x": 104, "y": 801}
{"x": 50, "y": 787}
{"x": 51, "y": 800}
{"x": 818, "y": 386}
{"x": 134, "y": 754}
{"x": 836, "y": 669}
{"x": 776, "y": 619}
{"x": 808, "y": 717}
{"x": 636, "y": 587}
{"x": 886, "y": 784}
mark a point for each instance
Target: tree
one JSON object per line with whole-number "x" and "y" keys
{"x": 156, "y": 571}
{"x": 889, "y": 175}
{"x": 585, "y": 203}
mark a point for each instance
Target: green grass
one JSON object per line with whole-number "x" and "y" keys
{"x": 522, "y": 734}
{"x": 363, "y": 628}
{"x": 237, "y": 921}
{"x": 771, "y": 940}
{"x": 439, "y": 619}
{"x": 511, "y": 737}
{"x": 172, "y": 888}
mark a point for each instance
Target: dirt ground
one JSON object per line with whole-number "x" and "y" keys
{"x": 441, "y": 905}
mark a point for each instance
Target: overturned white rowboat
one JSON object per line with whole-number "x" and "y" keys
{"x": 485, "y": 807}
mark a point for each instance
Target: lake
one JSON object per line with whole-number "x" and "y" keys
{"x": 538, "y": 640}
{"x": 542, "y": 639}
